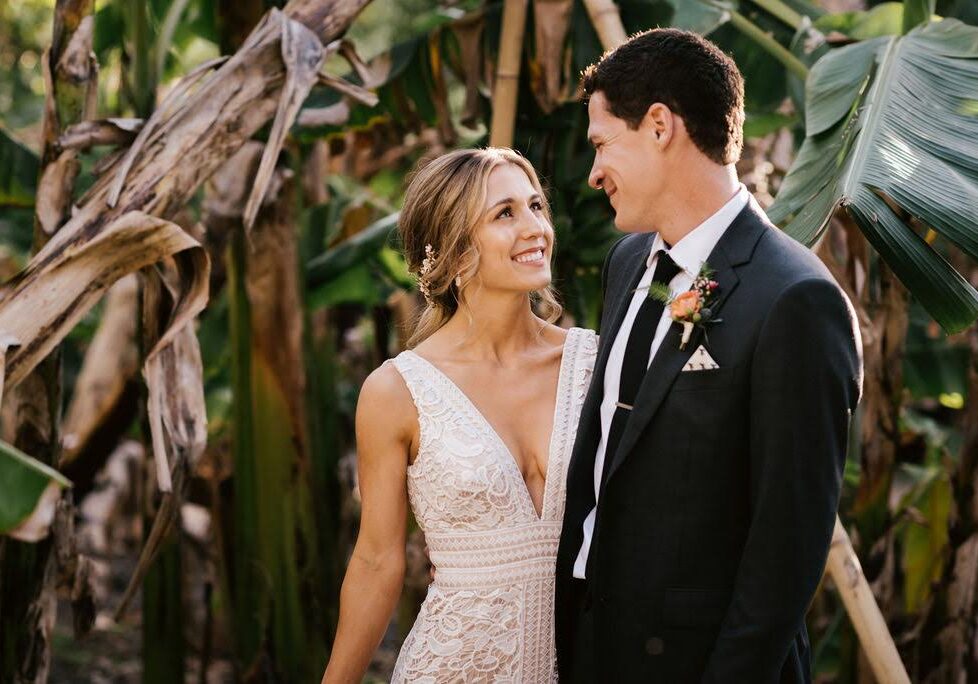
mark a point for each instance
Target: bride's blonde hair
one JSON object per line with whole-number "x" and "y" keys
{"x": 442, "y": 206}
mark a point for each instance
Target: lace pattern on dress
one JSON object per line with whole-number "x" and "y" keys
{"x": 488, "y": 616}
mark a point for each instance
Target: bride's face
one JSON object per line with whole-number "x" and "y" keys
{"x": 514, "y": 237}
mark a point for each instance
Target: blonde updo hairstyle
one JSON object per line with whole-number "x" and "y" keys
{"x": 442, "y": 207}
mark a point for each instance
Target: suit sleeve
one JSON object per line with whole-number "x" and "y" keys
{"x": 805, "y": 381}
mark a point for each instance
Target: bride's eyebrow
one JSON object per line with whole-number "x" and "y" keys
{"x": 510, "y": 200}
{"x": 506, "y": 200}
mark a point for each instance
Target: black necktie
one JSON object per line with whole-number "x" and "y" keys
{"x": 636, "y": 361}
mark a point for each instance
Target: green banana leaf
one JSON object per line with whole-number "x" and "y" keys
{"x": 23, "y": 480}
{"x": 916, "y": 12}
{"x": 18, "y": 173}
{"x": 890, "y": 117}
{"x": 923, "y": 535}
{"x": 334, "y": 262}
{"x": 883, "y": 19}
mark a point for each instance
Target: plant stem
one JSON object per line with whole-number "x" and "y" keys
{"x": 768, "y": 43}
{"x": 506, "y": 89}
{"x": 780, "y": 10}
{"x": 142, "y": 76}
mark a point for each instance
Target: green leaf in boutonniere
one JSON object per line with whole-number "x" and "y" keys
{"x": 660, "y": 292}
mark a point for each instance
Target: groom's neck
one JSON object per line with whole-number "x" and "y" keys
{"x": 695, "y": 193}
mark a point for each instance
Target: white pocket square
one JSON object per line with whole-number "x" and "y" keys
{"x": 700, "y": 361}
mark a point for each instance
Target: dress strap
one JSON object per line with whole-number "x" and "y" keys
{"x": 410, "y": 369}
{"x": 430, "y": 399}
{"x": 585, "y": 354}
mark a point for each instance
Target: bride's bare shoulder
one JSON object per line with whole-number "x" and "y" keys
{"x": 386, "y": 401}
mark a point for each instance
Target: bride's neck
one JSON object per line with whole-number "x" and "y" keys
{"x": 494, "y": 327}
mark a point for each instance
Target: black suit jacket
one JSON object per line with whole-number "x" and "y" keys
{"x": 715, "y": 520}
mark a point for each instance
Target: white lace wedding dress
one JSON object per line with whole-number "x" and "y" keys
{"x": 488, "y": 615}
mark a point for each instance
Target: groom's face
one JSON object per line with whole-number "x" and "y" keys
{"x": 628, "y": 165}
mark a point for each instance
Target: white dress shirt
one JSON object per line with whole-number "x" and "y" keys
{"x": 689, "y": 254}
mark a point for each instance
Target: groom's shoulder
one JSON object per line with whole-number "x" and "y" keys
{"x": 781, "y": 261}
{"x": 630, "y": 246}
{"x": 628, "y": 249}
{"x": 786, "y": 280}
{"x": 624, "y": 252}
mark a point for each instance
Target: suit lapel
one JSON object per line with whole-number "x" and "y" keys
{"x": 636, "y": 269}
{"x": 734, "y": 249}
{"x": 582, "y": 458}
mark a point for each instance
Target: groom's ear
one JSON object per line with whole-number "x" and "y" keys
{"x": 661, "y": 123}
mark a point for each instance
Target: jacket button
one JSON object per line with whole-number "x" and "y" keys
{"x": 654, "y": 646}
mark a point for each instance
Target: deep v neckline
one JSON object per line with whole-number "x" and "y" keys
{"x": 494, "y": 434}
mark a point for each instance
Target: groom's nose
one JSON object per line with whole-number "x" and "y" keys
{"x": 596, "y": 177}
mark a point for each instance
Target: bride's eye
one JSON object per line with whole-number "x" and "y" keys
{"x": 536, "y": 205}
{"x": 505, "y": 212}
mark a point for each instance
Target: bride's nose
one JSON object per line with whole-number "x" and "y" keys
{"x": 535, "y": 226}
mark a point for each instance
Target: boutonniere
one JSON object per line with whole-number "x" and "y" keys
{"x": 692, "y": 308}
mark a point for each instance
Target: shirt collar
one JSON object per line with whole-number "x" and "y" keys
{"x": 691, "y": 252}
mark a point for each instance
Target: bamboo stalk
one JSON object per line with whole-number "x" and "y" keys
{"x": 508, "y": 74}
{"x": 607, "y": 22}
{"x": 874, "y": 636}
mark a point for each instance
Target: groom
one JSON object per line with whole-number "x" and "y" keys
{"x": 705, "y": 478}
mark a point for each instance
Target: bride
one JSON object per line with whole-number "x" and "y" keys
{"x": 474, "y": 427}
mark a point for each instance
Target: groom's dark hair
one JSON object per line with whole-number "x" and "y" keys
{"x": 683, "y": 71}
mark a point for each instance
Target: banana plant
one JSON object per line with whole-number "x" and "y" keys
{"x": 19, "y": 168}
{"x": 891, "y": 127}
{"x": 30, "y": 493}
{"x": 18, "y": 173}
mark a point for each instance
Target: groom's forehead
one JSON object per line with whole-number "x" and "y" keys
{"x": 600, "y": 120}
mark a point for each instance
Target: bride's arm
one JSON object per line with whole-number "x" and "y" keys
{"x": 386, "y": 424}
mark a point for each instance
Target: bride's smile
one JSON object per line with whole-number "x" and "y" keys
{"x": 514, "y": 237}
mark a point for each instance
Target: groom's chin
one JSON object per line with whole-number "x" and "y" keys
{"x": 628, "y": 227}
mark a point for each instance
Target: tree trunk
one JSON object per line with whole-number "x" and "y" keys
{"x": 883, "y": 345}
{"x": 273, "y": 564}
{"x": 28, "y": 572}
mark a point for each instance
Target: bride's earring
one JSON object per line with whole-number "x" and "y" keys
{"x": 458, "y": 281}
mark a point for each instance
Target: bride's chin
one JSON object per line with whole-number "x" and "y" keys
{"x": 542, "y": 284}
{"x": 524, "y": 285}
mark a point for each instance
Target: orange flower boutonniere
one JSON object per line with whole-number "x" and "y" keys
{"x": 690, "y": 308}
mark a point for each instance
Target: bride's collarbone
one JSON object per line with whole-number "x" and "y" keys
{"x": 518, "y": 403}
